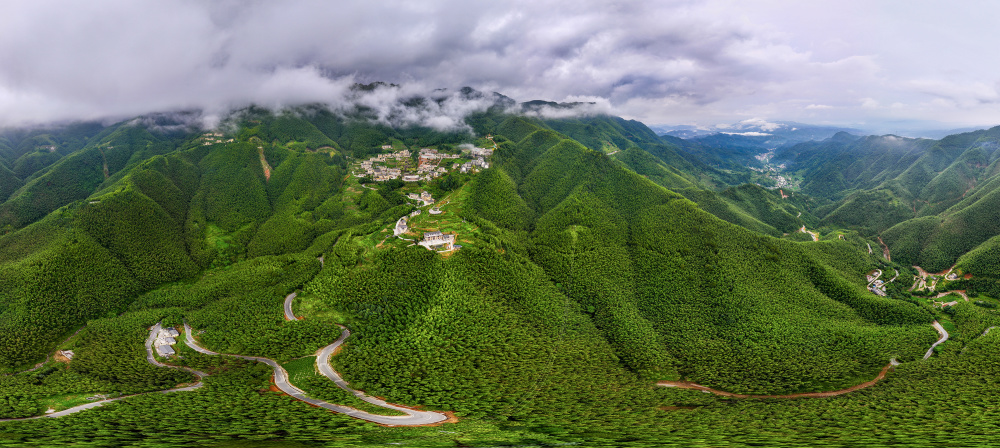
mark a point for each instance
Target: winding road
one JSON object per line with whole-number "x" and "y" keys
{"x": 281, "y": 380}
{"x": 954, "y": 291}
{"x": 944, "y": 337}
{"x": 152, "y": 360}
{"x": 833, "y": 393}
{"x": 814, "y": 235}
{"x": 412, "y": 417}
{"x": 689, "y": 385}
{"x": 289, "y": 315}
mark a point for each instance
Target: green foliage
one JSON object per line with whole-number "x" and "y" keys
{"x": 481, "y": 334}
{"x": 288, "y": 127}
{"x": 111, "y": 350}
{"x": 67, "y": 278}
{"x": 936, "y": 242}
{"x": 31, "y": 162}
{"x": 79, "y": 174}
{"x": 870, "y": 212}
{"x": 494, "y": 198}
{"x": 232, "y": 191}
{"x": 140, "y": 233}
{"x": 297, "y": 188}
{"x": 582, "y": 281}
{"x": 8, "y": 183}
{"x": 302, "y": 373}
{"x": 73, "y": 178}
{"x": 277, "y": 275}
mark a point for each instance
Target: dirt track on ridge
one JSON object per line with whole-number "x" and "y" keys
{"x": 832, "y": 393}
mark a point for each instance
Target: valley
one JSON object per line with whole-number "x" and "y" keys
{"x": 522, "y": 281}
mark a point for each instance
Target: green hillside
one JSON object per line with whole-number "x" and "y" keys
{"x": 596, "y": 259}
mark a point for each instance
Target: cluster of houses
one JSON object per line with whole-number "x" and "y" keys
{"x": 473, "y": 165}
{"x": 877, "y": 287}
{"x": 211, "y": 138}
{"x": 435, "y": 240}
{"x": 165, "y": 340}
{"x": 381, "y": 173}
{"x": 479, "y": 159}
{"x": 424, "y": 198}
{"x": 875, "y": 283}
{"x": 429, "y": 164}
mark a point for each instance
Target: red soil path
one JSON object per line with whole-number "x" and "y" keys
{"x": 833, "y": 393}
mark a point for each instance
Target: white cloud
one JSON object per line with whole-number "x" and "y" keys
{"x": 748, "y": 134}
{"x": 762, "y": 124}
{"x": 671, "y": 61}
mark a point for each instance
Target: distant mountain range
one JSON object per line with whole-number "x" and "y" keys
{"x": 785, "y": 131}
{"x": 795, "y": 132}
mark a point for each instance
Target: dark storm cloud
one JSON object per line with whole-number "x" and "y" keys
{"x": 658, "y": 61}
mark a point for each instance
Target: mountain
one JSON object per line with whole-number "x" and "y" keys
{"x": 596, "y": 259}
{"x": 930, "y": 200}
{"x": 784, "y": 132}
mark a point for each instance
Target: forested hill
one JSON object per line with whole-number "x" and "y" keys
{"x": 930, "y": 200}
{"x": 637, "y": 258}
{"x": 594, "y": 259}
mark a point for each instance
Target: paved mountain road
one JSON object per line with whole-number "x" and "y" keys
{"x": 152, "y": 360}
{"x": 281, "y": 380}
{"x": 289, "y": 315}
{"x": 834, "y": 393}
{"x": 412, "y": 417}
{"x": 944, "y": 337}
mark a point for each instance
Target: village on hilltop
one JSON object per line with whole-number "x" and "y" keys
{"x": 430, "y": 164}
{"x": 433, "y": 240}
{"x": 212, "y": 138}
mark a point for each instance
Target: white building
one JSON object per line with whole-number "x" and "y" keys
{"x": 165, "y": 350}
{"x": 436, "y": 239}
{"x": 401, "y": 227}
{"x": 164, "y": 341}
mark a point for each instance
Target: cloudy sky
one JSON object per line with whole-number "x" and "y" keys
{"x": 870, "y": 64}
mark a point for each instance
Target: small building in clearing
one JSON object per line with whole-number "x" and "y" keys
{"x": 438, "y": 241}
{"x": 165, "y": 350}
{"x": 164, "y": 341}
